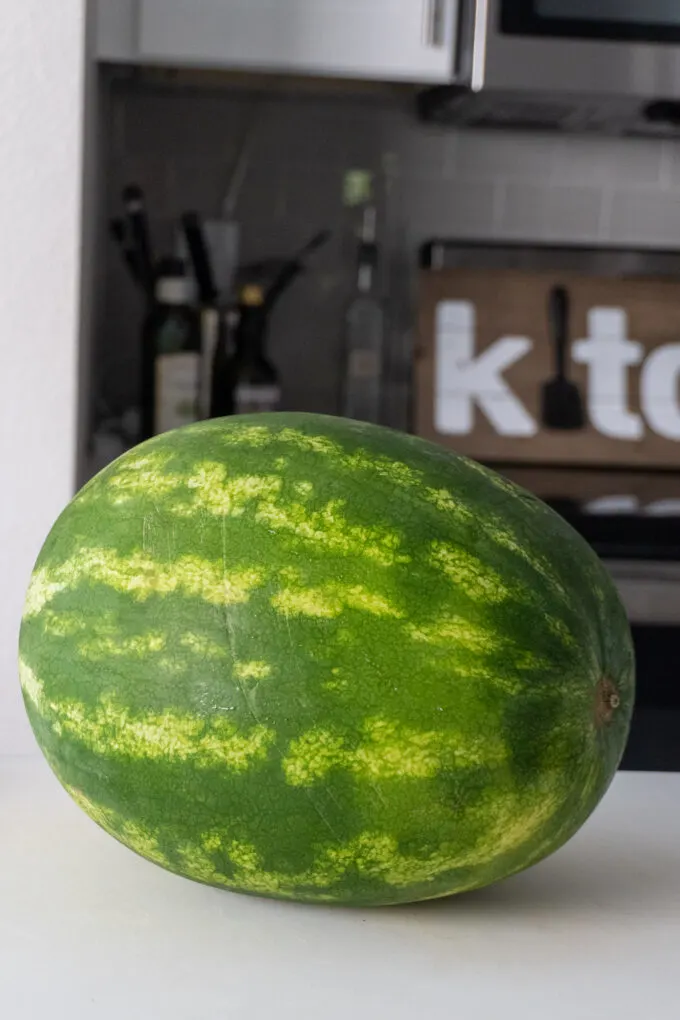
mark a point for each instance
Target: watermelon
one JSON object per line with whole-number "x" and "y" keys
{"x": 312, "y": 659}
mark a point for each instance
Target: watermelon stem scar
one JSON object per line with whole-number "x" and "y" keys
{"x": 608, "y": 701}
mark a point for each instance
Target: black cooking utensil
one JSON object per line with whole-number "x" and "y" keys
{"x": 318, "y": 241}
{"x": 119, "y": 233}
{"x": 562, "y": 401}
{"x": 135, "y": 207}
{"x": 292, "y": 268}
{"x": 200, "y": 258}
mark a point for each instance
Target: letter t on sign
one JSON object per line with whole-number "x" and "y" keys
{"x": 609, "y": 355}
{"x": 463, "y": 380}
{"x": 659, "y": 391}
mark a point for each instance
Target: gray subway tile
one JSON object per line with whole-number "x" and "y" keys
{"x": 449, "y": 208}
{"x": 420, "y": 150}
{"x": 588, "y": 160}
{"x": 551, "y": 214}
{"x": 169, "y": 124}
{"x": 494, "y": 154}
{"x": 673, "y": 158}
{"x": 644, "y": 218}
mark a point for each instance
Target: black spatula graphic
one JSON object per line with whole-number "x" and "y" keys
{"x": 562, "y": 401}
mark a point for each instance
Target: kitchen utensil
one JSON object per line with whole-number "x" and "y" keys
{"x": 208, "y": 296}
{"x": 317, "y": 241}
{"x": 223, "y": 235}
{"x": 222, "y": 386}
{"x": 119, "y": 233}
{"x": 562, "y": 403}
{"x": 291, "y": 268}
{"x": 135, "y": 207}
{"x": 200, "y": 258}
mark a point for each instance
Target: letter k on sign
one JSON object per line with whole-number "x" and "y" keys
{"x": 465, "y": 379}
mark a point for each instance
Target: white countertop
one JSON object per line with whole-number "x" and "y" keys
{"x": 89, "y": 930}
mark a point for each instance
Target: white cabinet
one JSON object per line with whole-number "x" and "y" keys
{"x": 116, "y": 29}
{"x": 408, "y": 40}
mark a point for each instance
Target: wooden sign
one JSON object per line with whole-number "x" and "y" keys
{"x": 487, "y": 379}
{"x": 639, "y": 493}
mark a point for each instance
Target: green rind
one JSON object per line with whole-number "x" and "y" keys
{"x": 307, "y": 658}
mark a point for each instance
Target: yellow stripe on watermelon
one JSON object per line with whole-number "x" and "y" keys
{"x": 372, "y": 855}
{"x": 111, "y": 730}
{"x": 209, "y": 490}
{"x": 388, "y": 750}
{"x": 141, "y": 576}
{"x": 330, "y": 600}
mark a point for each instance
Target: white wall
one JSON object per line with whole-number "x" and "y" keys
{"x": 42, "y": 59}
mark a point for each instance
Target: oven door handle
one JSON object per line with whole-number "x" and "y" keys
{"x": 434, "y": 23}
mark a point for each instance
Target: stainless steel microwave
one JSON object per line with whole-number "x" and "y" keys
{"x": 581, "y": 65}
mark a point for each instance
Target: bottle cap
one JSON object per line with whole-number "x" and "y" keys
{"x": 173, "y": 290}
{"x": 173, "y": 286}
{"x": 252, "y": 296}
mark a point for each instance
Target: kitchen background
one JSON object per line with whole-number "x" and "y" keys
{"x": 294, "y": 146}
{"x": 180, "y": 142}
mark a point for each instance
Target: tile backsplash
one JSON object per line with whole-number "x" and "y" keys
{"x": 180, "y": 144}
